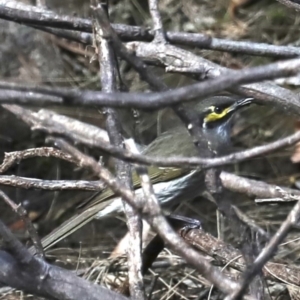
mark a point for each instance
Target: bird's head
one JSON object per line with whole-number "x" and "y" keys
{"x": 216, "y": 112}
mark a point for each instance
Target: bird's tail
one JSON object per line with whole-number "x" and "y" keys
{"x": 71, "y": 225}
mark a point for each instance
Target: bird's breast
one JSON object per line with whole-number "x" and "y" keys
{"x": 180, "y": 189}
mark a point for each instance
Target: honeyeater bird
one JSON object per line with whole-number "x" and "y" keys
{"x": 171, "y": 185}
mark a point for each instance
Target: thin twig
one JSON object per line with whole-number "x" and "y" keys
{"x": 270, "y": 248}
{"x": 250, "y": 187}
{"x": 19, "y": 209}
{"x": 51, "y": 185}
{"x": 15, "y": 157}
{"x": 159, "y": 33}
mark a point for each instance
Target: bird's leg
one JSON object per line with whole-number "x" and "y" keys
{"x": 183, "y": 224}
{"x": 180, "y": 224}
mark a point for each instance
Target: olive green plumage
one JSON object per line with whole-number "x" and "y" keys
{"x": 170, "y": 184}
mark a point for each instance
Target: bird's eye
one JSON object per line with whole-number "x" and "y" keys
{"x": 218, "y": 109}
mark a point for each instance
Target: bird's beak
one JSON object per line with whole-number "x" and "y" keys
{"x": 240, "y": 103}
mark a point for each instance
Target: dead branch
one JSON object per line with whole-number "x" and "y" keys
{"x": 51, "y": 185}
{"x": 225, "y": 254}
{"x": 21, "y": 270}
{"x": 226, "y": 80}
{"x": 108, "y": 74}
{"x": 40, "y": 18}
{"x": 12, "y": 158}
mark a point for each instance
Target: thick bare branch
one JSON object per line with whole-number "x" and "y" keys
{"x": 54, "y": 123}
{"x": 21, "y": 270}
{"x": 291, "y": 3}
{"x": 254, "y": 188}
{"x": 225, "y": 254}
{"x": 210, "y": 87}
{"x": 175, "y": 59}
{"x": 17, "y": 12}
{"x": 108, "y": 74}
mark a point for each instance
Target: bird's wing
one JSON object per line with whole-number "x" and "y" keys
{"x": 99, "y": 202}
{"x": 156, "y": 175}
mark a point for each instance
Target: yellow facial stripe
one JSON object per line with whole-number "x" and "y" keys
{"x": 213, "y": 116}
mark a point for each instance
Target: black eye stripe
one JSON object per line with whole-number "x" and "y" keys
{"x": 218, "y": 109}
